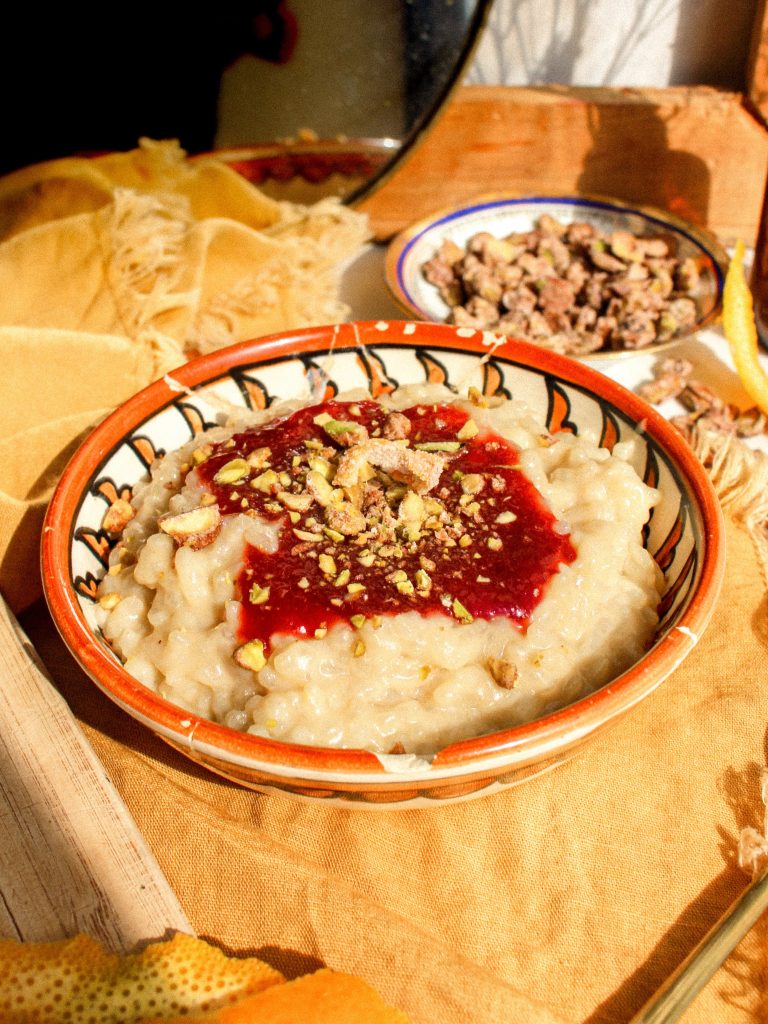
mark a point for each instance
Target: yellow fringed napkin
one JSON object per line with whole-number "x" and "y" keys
{"x": 114, "y": 271}
{"x": 60, "y": 188}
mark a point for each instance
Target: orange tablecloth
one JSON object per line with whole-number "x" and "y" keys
{"x": 568, "y": 899}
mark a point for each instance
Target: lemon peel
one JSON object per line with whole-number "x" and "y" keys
{"x": 741, "y": 331}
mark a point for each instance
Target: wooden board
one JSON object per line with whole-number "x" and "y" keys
{"x": 697, "y": 152}
{"x": 71, "y": 857}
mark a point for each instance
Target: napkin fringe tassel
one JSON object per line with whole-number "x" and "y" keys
{"x": 739, "y": 475}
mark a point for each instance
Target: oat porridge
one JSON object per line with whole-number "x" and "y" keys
{"x": 393, "y": 575}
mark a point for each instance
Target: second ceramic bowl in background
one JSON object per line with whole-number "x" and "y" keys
{"x": 583, "y": 276}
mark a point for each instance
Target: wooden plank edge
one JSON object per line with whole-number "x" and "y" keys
{"x": 72, "y": 858}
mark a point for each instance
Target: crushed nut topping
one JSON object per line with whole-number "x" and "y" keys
{"x": 195, "y": 529}
{"x": 504, "y": 673}
{"x": 382, "y": 512}
{"x": 704, "y": 408}
{"x": 571, "y": 288}
{"x": 117, "y": 516}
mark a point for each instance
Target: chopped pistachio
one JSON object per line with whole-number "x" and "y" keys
{"x": 319, "y": 488}
{"x": 118, "y": 515}
{"x": 310, "y": 538}
{"x": 327, "y": 564}
{"x": 258, "y": 594}
{"x": 320, "y": 465}
{"x": 333, "y": 535}
{"x": 196, "y": 528}
{"x": 367, "y": 558}
{"x": 358, "y": 621}
{"x": 465, "y": 541}
{"x": 355, "y": 588}
{"x": 405, "y": 587}
{"x": 504, "y": 673}
{"x": 336, "y": 427}
{"x": 303, "y": 583}
{"x": 472, "y": 483}
{"x": 199, "y": 455}
{"x": 412, "y": 507}
{"x": 505, "y": 517}
{"x": 495, "y": 543}
{"x": 295, "y": 517}
{"x": 320, "y": 632}
{"x": 432, "y": 506}
{"x": 412, "y": 531}
{"x": 395, "y": 493}
{"x": 265, "y": 481}
{"x": 439, "y": 446}
{"x": 115, "y": 569}
{"x": 345, "y": 518}
{"x": 259, "y": 458}
{"x": 469, "y": 430}
{"x": 461, "y": 612}
{"x": 232, "y": 472}
{"x": 477, "y": 398}
{"x": 342, "y": 579}
{"x": 322, "y": 418}
{"x": 109, "y": 601}
{"x": 297, "y": 502}
{"x": 251, "y": 655}
{"x": 207, "y": 499}
{"x": 359, "y": 649}
{"x": 423, "y": 580}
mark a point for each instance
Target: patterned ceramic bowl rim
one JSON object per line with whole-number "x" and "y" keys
{"x": 522, "y": 745}
{"x": 401, "y": 272}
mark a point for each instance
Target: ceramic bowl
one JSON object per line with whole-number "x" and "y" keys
{"x": 684, "y": 534}
{"x": 504, "y": 215}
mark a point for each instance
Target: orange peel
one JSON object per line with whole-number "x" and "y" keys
{"x": 325, "y": 997}
{"x": 77, "y": 981}
{"x": 741, "y": 331}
